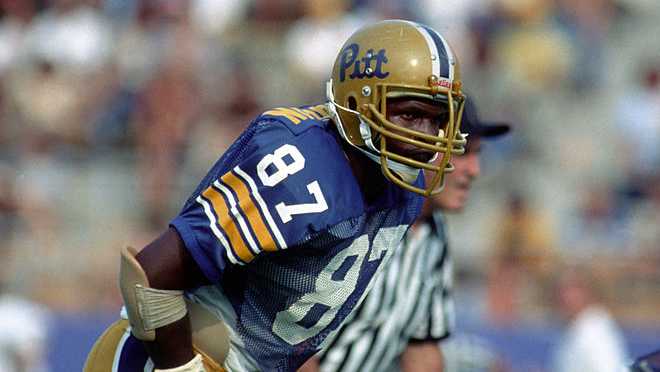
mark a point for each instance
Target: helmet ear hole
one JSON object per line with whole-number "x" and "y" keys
{"x": 351, "y": 103}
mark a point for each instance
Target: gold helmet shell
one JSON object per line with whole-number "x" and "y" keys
{"x": 395, "y": 59}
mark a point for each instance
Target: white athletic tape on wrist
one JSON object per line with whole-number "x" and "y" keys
{"x": 195, "y": 365}
{"x": 147, "y": 308}
{"x": 159, "y": 307}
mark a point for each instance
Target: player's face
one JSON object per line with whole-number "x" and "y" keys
{"x": 458, "y": 183}
{"x": 421, "y": 115}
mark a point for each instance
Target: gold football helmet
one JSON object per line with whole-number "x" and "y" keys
{"x": 395, "y": 59}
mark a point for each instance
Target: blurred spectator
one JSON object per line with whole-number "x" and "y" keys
{"x": 23, "y": 334}
{"x": 36, "y": 242}
{"x": 138, "y": 50}
{"x": 65, "y": 47}
{"x": 142, "y": 47}
{"x": 168, "y": 106}
{"x": 587, "y": 22}
{"x": 8, "y": 206}
{"x": 23, "y": 324}
{"x": 644, "y": 225}
{"x": 385, "y": 9}
{"x": 524, "y": 254}
{"x": 222, "y": 120}
{"x": 50, "y": 119}
{"x": 143, "y": 44}
{"x": 71, "y": 34}
{"x": 276, "y": 13}
{"x": 638, "y": 111}
{"x": 13, "y": 26}
{"x": 529, "y": 27}
{"x": 452, "y": 18}
{"x": 592, "y": 341}
{"x": 213, "y": 17}
{"x": 598, "y": 226}
{"x": 311, "y": 42}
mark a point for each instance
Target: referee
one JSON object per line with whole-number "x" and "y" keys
{"x": 410, "y": 308}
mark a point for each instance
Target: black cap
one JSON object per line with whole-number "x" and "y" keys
{"x": 472, "y": 124}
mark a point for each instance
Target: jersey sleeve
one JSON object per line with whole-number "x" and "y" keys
{"x": 282, "y": 188}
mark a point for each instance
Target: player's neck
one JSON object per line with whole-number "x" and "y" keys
{"x": 427, "y": 209}
{"x": 366, "y": 172}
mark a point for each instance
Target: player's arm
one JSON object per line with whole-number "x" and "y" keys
{"x": 152, "y": 282}
{"x": 311, "y": 365}
{"x": 422, "y": 357}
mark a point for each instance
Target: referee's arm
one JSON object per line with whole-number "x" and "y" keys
{"x": 422, "y": 352}
{"x": 422, "y": 357}
{"x": 311, "y": 365}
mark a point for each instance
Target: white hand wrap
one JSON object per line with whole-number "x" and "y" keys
{"x": 195, "y": 365}
{"x": 159, "y": 307}
{"x": 147, "y": 308}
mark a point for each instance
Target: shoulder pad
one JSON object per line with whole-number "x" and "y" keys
{"x": 298, "y": 119}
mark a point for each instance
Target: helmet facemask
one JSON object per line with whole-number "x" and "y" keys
{"x": 376, "y": 131}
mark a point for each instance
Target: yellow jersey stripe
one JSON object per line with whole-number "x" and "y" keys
{"x": 216, "y": 231}
{"x": 293, "y": 114}
{"x": 319, "y": 109}
{"x": 280, "y": 112}
{"x": 226, "y": 223}
{"x": 262, "y": 205}
{"x": 309, "y": 114}
{"x": 250, "y": 210}
{"x": 238, "y": 217}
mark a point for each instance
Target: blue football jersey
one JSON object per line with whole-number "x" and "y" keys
{"x": 280, "y": 227}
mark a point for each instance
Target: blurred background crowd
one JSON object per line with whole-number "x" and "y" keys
{"x": 111, "y": 111}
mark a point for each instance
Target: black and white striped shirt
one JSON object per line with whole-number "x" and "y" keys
{"x": 409, "y": 302}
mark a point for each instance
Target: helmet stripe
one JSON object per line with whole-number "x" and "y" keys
{"x": 450, "y": 56}
{"x": 443, "y": 54}
{"x": 433, "y": 49}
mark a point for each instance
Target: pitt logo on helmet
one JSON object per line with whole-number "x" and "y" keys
{"x": 362, "y": 66}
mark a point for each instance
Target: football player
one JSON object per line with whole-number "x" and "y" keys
{"x": 410, "y": 307}
{"x": 280, "y": 241}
